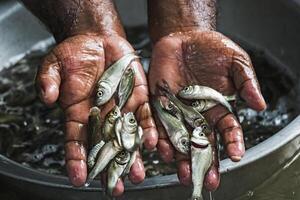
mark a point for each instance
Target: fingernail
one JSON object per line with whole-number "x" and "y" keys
{"x": 235, "y": 158}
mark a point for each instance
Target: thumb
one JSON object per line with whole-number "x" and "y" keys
{"x": 48, "y": 79}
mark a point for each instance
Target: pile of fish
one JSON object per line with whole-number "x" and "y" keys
{"x": 114, "y": 140}
{"x": 178, "y": 118}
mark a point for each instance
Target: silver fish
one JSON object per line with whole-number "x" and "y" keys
{"x": 204, "y": 105}
{"x": 174, "y": 110}
{"x": 108, "y": 129}
{"x": 175, "y": 128}
{"x": 93, "y": 154}
{"x": 126, "y": 87}
{"x": 110, "y": 79}
{"x": 203, "y": 92}
{"x": 116, "y": 170}
{"x": 127, "y": 131}
{"x": 190, "y": 114}
{"x": 105, "y": 155}
{"x": 201, "y": 155}
{"x": 94, "y": 127}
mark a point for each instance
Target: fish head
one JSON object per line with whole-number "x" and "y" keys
{"x": 188, "y": 90}
{"x": 103, "y": 94}
{"x": 201, "y": 122}
{"x": 114, "y": 114}
{"x": 183, "y": 144}
{"x": 122, "y": 158}
{"x": 129, "y": 123}
{"x": 199, "y": 139}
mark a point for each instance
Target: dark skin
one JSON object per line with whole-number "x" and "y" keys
{"x": 90, "y": 38}
{"x": 187, "y": 50}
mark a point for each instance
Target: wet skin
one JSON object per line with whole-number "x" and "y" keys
{"x": 188, "y": 51}
{"x": 93, "y": 41}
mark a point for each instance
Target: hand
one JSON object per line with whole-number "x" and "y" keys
{"x": 69, "y": 74}
{"x": 205, "y": 58}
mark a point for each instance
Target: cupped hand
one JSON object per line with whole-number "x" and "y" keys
{"x": 69, "y": 75}
{"x": 206, "y": 58}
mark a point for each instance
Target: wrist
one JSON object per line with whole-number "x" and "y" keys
{"x": 175, "y": 16}
{"x": 67, "y": 18}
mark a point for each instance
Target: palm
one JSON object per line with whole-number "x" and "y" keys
{"x": 69, "y": 73}
{"x": 210, "y": 59}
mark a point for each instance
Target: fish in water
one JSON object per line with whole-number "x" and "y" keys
{"x": 201, "y": 159}
{"x": 175, "y": 128}
{"x": 108, "y": 129}
{"x": 125, "y": 87}
{"x": 116, "y": 169}
{"x": 197, "y": 92}
{"x": 110, "y": 79}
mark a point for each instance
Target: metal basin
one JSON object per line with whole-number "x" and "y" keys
{"x": 272, "y": 26}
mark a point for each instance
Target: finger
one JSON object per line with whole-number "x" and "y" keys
{"x": 165, "y": 150}
{"x": 232, "y": 135}
{"x": 184, "y": 172}
{"x": 137, "y": 171}
{"x": 246, "y": 83}
{"x": 144, "y": 117}
{"x": 76, "y": 117}
{"x": 119, "y": 189}
{"x": 48, "y": 79}
{"x": 75, "y": 150}
{"x": 212, "y": 177}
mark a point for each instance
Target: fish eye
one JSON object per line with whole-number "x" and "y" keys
{"x": 202, "y": 134}
{"x": 100, "y": 93}
{"x": 115, "y": 113}
{"x": 184, "y": 142}
{"x": 122, "y": 154}
{"x": 170, "y": 106}
{"x": 186, "y": 89}
{"x": 204, "y": 127}
{"x": 195, "y": 103}
{"x": 132, "y": 121}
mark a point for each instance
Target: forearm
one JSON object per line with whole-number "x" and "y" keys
{"x": 65, "y": 18}
{"x": 168, "y": 16}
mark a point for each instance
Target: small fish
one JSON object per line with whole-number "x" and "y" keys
{"x": 108, "y": 129}
{"x": 203, "y": 92}
{"x": 93, "y": 154}
{"x": 174, "y": 110}
{"x": 174, "y": 127}
{"x": 190, "y": 114}
{"x": 94, "y": 127}
{"x": 116, "y": 169}
{"x": 105, "y": 155}
{"x": 201, "y": 158}
{"x": 110, "y": 79}
{"x": 126, "y": 87}
{"x": 204, "y": 105}
{"x": 127, "y": 130}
